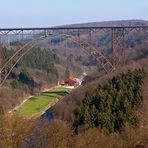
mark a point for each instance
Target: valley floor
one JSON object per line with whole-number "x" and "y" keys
{"x": 38, "y": 104}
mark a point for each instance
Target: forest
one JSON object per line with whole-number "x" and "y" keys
{"x": 109, "y": 112}
{"x": 114, "y": 104}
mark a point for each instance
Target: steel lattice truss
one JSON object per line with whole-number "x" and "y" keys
{"x": 118, "y": 44}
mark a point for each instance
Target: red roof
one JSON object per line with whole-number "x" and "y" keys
{"x": 71, "y": 81}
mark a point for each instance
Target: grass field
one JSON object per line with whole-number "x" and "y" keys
{"x": 38, "y": 104}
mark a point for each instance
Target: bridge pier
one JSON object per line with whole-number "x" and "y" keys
{"x": 118, "y": 46}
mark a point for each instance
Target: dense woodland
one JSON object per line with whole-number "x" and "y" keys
{"x": 109, "y": 112}
{"x": 37, "y": 58}
{"x": 114, "y": 104}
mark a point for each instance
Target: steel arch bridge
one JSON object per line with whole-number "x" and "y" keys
{"x": 73, "y": 34}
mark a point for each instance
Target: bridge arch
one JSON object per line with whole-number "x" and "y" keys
{"x": 19, "y": 54}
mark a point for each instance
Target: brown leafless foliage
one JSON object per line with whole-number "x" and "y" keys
{"x": 56, "y": 134}
{"x": 59, "y": 134}
{"x": 13, "y": 131}
{"x": 9, "y": 97}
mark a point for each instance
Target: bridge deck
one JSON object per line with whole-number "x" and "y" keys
{"x": 81, "y": 27}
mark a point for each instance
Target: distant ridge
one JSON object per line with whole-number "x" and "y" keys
{"x": 109, "y": 23}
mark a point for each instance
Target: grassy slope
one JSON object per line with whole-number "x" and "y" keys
{"x": 37, "y": 104}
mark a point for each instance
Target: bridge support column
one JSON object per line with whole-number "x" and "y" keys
{"x": 118, "y": 46}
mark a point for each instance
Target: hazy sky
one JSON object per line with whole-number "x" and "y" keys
{"x": 44, "y": 13}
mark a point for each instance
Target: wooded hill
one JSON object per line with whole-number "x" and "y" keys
{"x": 39, "y": 69}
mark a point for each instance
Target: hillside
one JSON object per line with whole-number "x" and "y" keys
{"x": 67, "y": 56}
{"x": 65, "y": 108}
{"x": 99, "y": 39}
{"x": 38, "y": 70}
{"x": 106, "y": 111}
{"x": 136, "y": 57}
{"x": 59, "y": 133}
{"x": 112, "y": 23}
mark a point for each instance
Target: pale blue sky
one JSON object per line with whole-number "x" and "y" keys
{"x": 45, "y": 13}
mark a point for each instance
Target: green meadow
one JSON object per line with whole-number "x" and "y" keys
{"x": 39, "y": 103}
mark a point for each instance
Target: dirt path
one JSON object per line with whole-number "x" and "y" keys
{"x": 18, "y": 106}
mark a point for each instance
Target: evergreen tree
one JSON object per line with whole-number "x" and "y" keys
{"x": 114, "y": 104}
